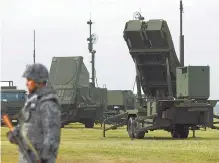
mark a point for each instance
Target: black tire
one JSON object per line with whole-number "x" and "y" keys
{"x": 132, "y": 128}
{"x": 180, "y": 132}
{"x": 89, "y": 123}
{"x": 140, "y": 135}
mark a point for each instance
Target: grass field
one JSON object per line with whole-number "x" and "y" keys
{"x": 80, "y": 145}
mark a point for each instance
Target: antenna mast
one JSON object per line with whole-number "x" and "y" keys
{"x": 181, "y": 36}
{"x": 34, "y": 46}
{"x": 92, "y": 40}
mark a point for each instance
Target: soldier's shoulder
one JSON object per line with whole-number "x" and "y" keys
{"x": 49, "y": 105}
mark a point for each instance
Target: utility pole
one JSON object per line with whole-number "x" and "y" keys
{"x": 181, "y": 36}
{"x": 34, "y": 57}
{"x": 92, "y": 40}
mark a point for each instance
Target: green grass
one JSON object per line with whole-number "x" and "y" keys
{"x": 80, "y": 145}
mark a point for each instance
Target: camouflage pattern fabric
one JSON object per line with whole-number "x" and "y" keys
{"x": 36, "y": 72}
{"x": 40, "y": 122}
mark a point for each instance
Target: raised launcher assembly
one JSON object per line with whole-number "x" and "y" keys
{"x": 12, "y": 100}
{"x": 80, "y": 102}
{"x": 176, "y": 97}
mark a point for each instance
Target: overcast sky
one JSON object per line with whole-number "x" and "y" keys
{"x": 61, "y": 30}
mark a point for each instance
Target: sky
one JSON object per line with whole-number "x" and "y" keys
{"x": 62, "y": 30}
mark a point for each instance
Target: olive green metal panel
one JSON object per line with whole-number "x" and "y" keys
{"x": 85, "y": 101}
{"x": 99, "y": 97}
{"x": 11, "y": 108}
{"x": 149, "y": 44}
{"x": 124, "y": 98}
{"x": 129, "y": 99}
{"x": 12, "y": 100}
{"x": 84, "y": 76}
{"x": 115, "y": 97}
{"x": 83, "y": 95}
{"x": 193, "y": 82}
{"x": 188, "y": 112}
{"x": 66, "y": 75}
{"x": 92, "y": 102}
{"x": 151, "y": 108}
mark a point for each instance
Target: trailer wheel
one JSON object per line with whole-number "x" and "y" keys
{"x": 131, "y": 130}
{"x": 89, "y": 123}
{"x": 180, "y": 131}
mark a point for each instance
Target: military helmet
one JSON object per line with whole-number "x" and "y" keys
{"x": 36, "y": 72}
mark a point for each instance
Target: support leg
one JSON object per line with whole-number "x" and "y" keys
{"x": 104, "y": 131}
{"x": 193, "y": 133}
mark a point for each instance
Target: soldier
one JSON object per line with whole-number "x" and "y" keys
{"x": 40, "y": 119}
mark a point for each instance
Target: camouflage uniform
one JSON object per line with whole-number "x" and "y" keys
{"x": 40, "y": 119}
